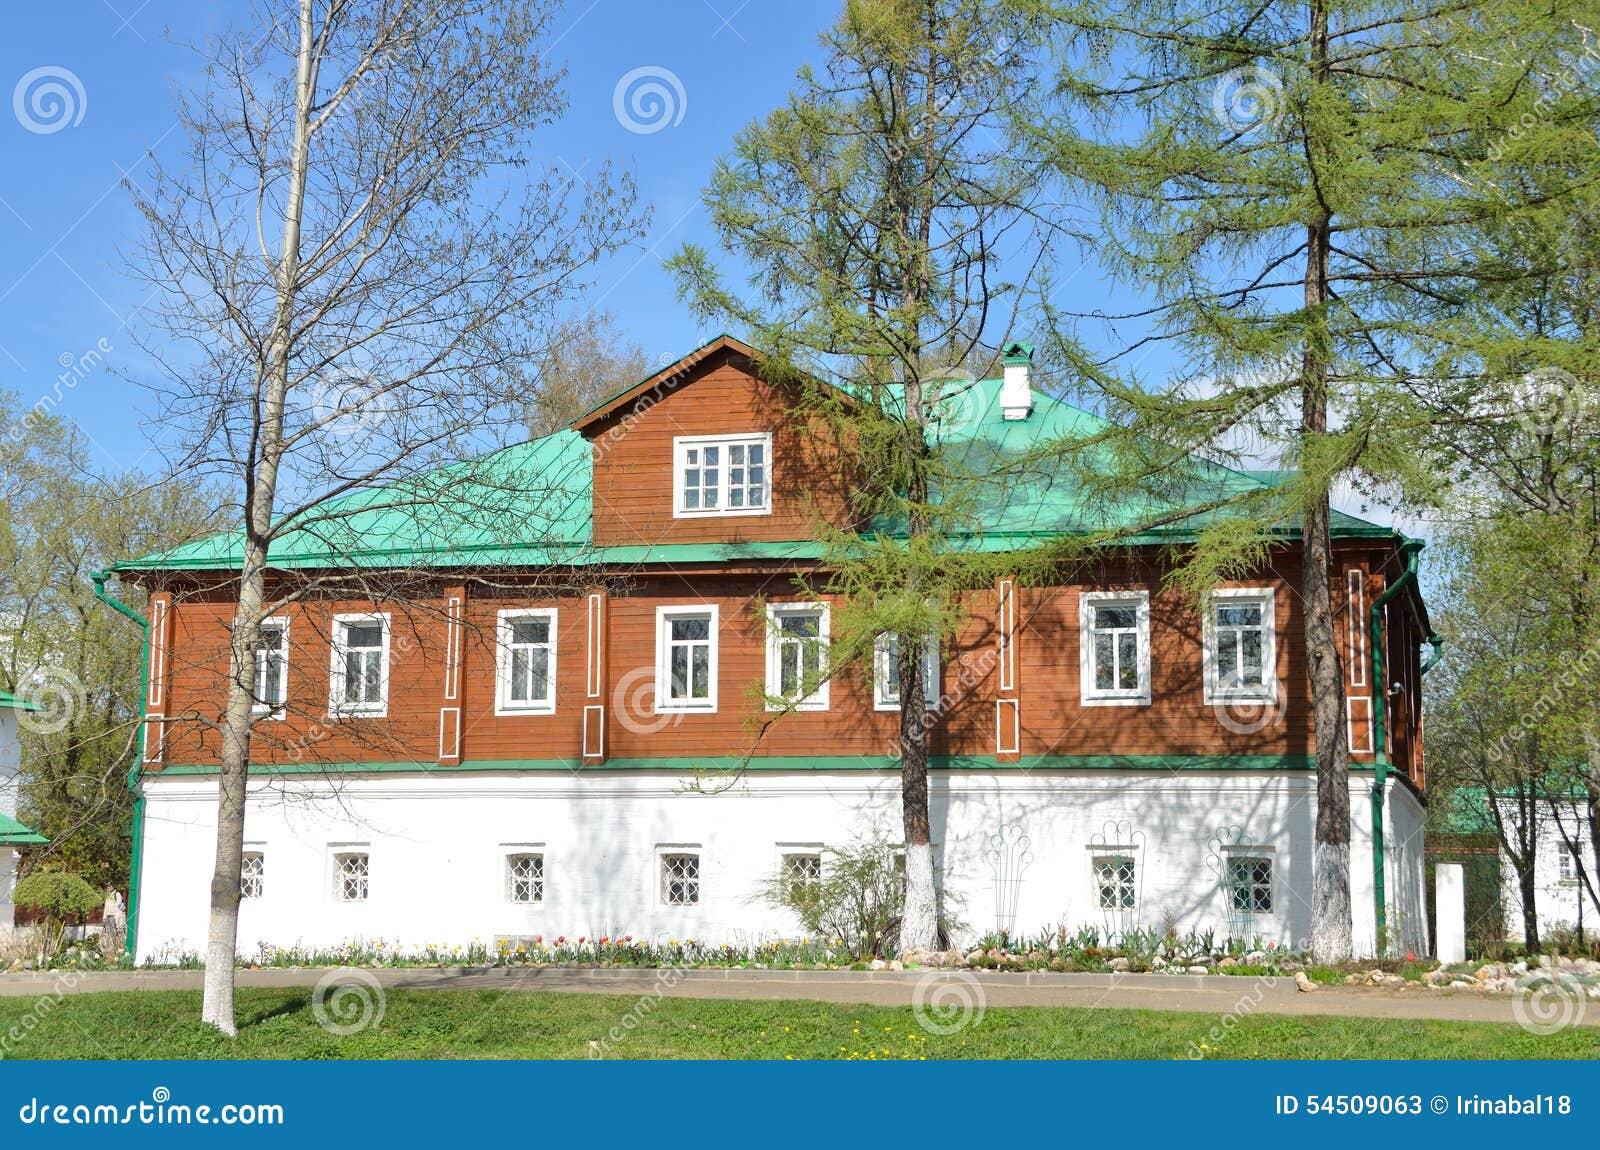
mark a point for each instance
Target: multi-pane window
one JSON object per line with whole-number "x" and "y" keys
{"x": 527, "y": 660}
{"x": 723, "y": 475}
{"x": 272, "y": 665}
{"x": 686, "y": 659}
{"x": 1250, "y": 883}
{"x": 680, "y": 879}
{"x": 350, "y": 873}
{"x": 525, "y": 878}
{"x": 1240, "y": 643}
{"x": 1115, "y": 646}
{"x": 360, "y": 664}
{"x": 1566, "y": 864}
{"x": 801, "y": 870}
{"x": 253, "y": 875}
{"x": 797, "y": 637}
{"x": 886, "y": 672}
{"x": 1114, "y": 882}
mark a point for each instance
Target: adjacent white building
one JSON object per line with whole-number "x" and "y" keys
{"x": 12, "y": 833}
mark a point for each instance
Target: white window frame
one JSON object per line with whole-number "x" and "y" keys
{"x": 266, "y": 710}
{"x": 503, "y": 702}
{"x": 1089, "y": 695}
{"x": 664, "y": 617}
{"x": 665, "y": 851}
{"x": 883, "y": 674}
{"x": 1252, "y": 851}
{"x": 776, "y": 612}
{"x": 335, "y": 884}
{"x": 681, "y": 443}
{"x": 509, "y": 851}
{"x": 336, "y": 704}
{"x": 1267, "y": 691}
{"x": 1118, "y": 855}
{"x": 257, "y": 851}
{"x": 1566, "y": 865}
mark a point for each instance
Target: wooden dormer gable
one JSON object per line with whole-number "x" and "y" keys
{"x": 708, "y": 451}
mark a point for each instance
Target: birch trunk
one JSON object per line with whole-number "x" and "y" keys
{"x": 222, "y": 937}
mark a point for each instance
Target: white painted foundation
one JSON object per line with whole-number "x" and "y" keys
{"x": 437, "y": 848}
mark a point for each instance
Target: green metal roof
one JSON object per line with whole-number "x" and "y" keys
{"x": 540, "y": 494}
{"x": 15, "y": 834}
{"x": 7, "y": 699}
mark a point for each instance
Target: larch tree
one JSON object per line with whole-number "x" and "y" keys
{"x": 1256, "y": 166}
{"x": 352, "y": 272}
{"x": 891, "y": 232}
{"x": 588, "y": 357}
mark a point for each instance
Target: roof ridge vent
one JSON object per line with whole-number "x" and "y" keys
{"x": 1016, "y": 393}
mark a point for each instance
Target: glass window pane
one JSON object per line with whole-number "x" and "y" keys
{"x": 702, "y": 672}
{"x": 1102, "y": 662}
{"x": 1252, "y": 671}
{"x": 363, "y": 635}
{"x": 680, "y": 673}
{"x": 1127, "y": 662}
{"x": 519, "y": 676}
{"x": 1119, "y": 617}
{"x": 530, "y": 631}
{"x": 694, "y": 627}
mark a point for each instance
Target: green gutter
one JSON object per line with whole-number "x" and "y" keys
{"x": 1410, "y": 550}
{"x": 136, "y": 861}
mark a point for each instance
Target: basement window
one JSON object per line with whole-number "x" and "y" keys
{"x": 1250, "y": 883}
{"x": 351, "y": 871}
{"x": 253, "y": 875}
{"x": 1114, "y": 882}
{"x": 525, "y": 878}
{"x": 680, "y": 879}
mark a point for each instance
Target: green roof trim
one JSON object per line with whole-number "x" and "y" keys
{"x": 13, "y": 833}
{"x": 715, "y": 764}
{"x": 531, "y": 505}
{"x": 7, "y": 699}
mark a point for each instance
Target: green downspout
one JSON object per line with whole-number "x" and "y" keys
{"x": 136, "y": 860}
{"x": 1410, "y": 549}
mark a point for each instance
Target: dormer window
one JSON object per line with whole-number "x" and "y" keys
{"x": 722, "y": 475}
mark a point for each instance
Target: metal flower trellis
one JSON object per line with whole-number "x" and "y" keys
{"x": 1228, "y": 858}
{"x": 1009, "y": 854}
{"x": 1117, "y": 879}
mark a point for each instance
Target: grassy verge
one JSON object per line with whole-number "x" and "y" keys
{"x": 280, "y": 1023}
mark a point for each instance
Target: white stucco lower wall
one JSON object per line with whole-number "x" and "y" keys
{"x": 1556, "y": 887}
{"x": 437, "y": 846}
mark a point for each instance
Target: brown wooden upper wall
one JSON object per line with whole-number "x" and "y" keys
{"x": 1051, "y": 717}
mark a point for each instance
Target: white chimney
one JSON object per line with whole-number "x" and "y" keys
{"x": 1016, "y": 396}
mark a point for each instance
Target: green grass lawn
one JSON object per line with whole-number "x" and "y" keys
{"x": 279, "y": 1023}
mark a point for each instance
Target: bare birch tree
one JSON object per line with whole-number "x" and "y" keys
{"x": 352, "y": 269}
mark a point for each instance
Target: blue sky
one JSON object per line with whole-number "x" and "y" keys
{"x": 66, "y": 222}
